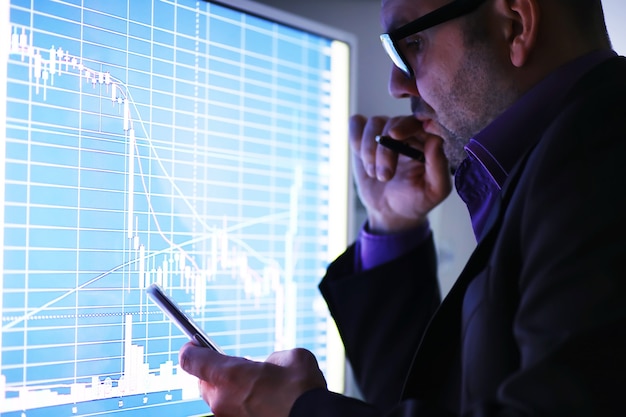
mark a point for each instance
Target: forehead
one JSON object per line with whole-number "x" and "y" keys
{"x": 395, "y": 13}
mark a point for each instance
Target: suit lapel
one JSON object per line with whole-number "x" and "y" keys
{"x": 441, "y": 341}
{"x": 440, "y": 347}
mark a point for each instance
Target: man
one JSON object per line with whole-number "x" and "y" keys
{"x": 526, "y": 102}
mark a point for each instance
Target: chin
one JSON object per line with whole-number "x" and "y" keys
{"x": 454, "y": 153}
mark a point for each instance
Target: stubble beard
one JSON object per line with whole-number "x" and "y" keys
{"x": 476, "y": 97}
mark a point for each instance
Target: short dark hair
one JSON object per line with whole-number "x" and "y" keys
{"x": 588, "y": 15}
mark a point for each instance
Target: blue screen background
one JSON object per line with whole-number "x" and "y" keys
{"x": 179, "y": 142}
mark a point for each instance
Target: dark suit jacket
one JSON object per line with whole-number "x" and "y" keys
{"x": 536, "y": 323}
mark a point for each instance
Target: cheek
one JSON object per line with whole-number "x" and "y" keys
{"x": 434, "y": 91}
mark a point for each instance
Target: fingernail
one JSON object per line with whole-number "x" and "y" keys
{"x": 383, "y": 174}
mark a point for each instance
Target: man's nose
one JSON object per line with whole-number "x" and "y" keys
{"x": 401, "y": 85}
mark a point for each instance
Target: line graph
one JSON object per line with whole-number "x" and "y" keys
{"x": 156, "y": 150}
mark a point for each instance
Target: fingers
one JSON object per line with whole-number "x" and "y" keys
{"x": 239, "y": 387}
{"x": 437, "y": 169}
{"x": 304, "y": 370}
{"x": 356, "y": 127}
{"x": 295, "y": 358}
{"x": 436, "y": 164}
{"x": 397, "y": 191}
{"x": 369, "y": 158}
{"x": 379, "y": 162}
{"x": 200, "y": 361}
{"x": 405, "y": 127}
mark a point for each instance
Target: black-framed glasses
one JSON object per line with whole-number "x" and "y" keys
{"x": 450, "y": 11}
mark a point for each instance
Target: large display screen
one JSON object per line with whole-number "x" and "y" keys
{"x": 198, "y": 145}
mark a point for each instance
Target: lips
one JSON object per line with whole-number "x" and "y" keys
{"x": 423, "y": 113}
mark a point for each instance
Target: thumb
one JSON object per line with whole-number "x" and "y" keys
{"x": 437, "y": 169}
{"x": 303, "y": 364}
{"x": 200, "y": 361}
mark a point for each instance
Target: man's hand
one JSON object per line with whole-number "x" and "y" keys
{"x": 237, "y": 387}
{"x": 397, "y": 192}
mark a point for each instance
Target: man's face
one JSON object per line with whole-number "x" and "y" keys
{"x": 456, "y": 87}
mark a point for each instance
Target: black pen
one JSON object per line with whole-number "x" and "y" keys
{"x": 400, "y": 147}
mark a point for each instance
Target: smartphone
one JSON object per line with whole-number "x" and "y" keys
{"x": 176, "y": 314}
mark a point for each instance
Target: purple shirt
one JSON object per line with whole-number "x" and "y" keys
{"x": 492, "y": 153}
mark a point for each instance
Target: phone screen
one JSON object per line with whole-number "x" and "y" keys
{"x": 176, "y": 314}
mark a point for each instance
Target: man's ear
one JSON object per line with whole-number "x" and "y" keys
{"x": 521, "y": 26}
